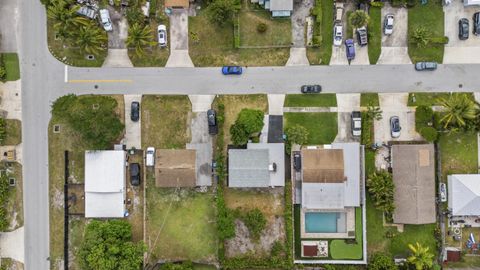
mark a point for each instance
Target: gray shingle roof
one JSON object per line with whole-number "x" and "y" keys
{"x": 248, "y": 168}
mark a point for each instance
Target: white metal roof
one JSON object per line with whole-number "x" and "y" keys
{"x": 276, "y": 154}
{"x": 104, "y": 184}
{"x": 464, "y": 194}
{"x": 281, "y": 5}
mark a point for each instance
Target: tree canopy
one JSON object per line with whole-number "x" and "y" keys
{"x": 108, "y": 245}
{"x": 358, "y": 18}
{"x": 381, "y": 261}
{"x": 220, "y": 12}
{"x": 296, "y": 134}
{"x": 247, "y": 124}
{"x": 381, "y": 187}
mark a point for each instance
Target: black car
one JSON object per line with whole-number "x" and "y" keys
{"x": 362, "y": 36}
{"x": 297, "y": 161}
{"x": 135, "y": 174}
{"x": 311, "y": 89}
{"x": 395, "y": 127}
{"x": 135, "y": 111}
{"x": 212, "y": 122}
{"x": 463, "y": 26}
{"x": 476, "y": 23}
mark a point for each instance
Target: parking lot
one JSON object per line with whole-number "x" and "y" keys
{"x": 395, "y": 46}
{"x": 460, "y": 51}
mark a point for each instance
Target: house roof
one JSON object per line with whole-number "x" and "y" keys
{"x": 414, "y": 179}
{"x": 322, "y": 165}
{"x": 248, "y": 168}
{"x": 104, "y": 184}
{"x": 323, "y": 195}
{"x": 464, "y": 194}
{"x": 281, "y": 5}
{"x": 177, "y": 3}
{"x": 276, "y": 154}
{"x": 175, "y": 168}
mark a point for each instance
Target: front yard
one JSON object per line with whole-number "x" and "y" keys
{"x": 14, "y": 132}
{"x": 12, "y": 68}
{"x": 322, "y": 127}
{"x": 302, "y": 100}
{"x": 429, "y": 99}
{"x": 374, "y": 34}
{"x": 278, "y": 31}
{"x": 321, "y": 55}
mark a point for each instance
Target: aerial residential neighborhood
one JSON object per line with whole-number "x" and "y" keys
{"x": 239, "y": 134}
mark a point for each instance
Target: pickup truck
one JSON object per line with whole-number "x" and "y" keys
{"x": 212, "y": 122}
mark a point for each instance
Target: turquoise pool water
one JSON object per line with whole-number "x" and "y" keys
{"x": 317, "y": 222}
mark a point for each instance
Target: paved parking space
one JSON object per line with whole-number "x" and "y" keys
{"x": 395, "y": 46}
{"x": 9, "y": 18}
{"x": 178, "y": 40}
{"x": 11, "y": 245}
{"x": 460, "y": 51}
{"x": 133, "y": 130}
{"x": 202, "y": 143}
{"x": 346, "y": 103}
{"x": 339, "y": 56}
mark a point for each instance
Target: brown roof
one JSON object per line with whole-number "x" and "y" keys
{"x": 323, "y": 165}
{"x": 310, "y": 251}
{"x": 175, "y": 168}
{"x": 414, "y": 179}
{"x": 177, "y": 3}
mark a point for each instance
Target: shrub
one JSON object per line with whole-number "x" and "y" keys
{"x": 377, "y": 4}
{"x": 295, "y": 135}
{"x": 411, "y": 3}
{"x": 3, "y": 130}
{"x": 381, "y": 261}
{"x": 255, "y": 222}
{"x": 248, "y": 123}
{"x": 3, "y": 70}
{"x": 316, "y": 41}
{"x": 381, "y": 187}
{"x": 262, "y": 27}
{"x": 423, "y": 115}
{"x": 429, "y": 133}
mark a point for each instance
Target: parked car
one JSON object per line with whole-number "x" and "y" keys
{"x": 476, "y": 23}
{"x": 421, "y": 66}
{"x": 463, "y": 27}
{"x": 338, "y": 12}
{"x": 135, "y": 111}
{"x": 231, "y": 70}
{"x": 395, "y": 126}
{"x": 443, "y": 192}
{"x": 87, "y": 12}
{"x": 297, "y": 161}
{"x": 135, "y": 174}
{"x": 105, "y": 20}
{"x": 337, "y": 34}
{"x": 162, "y": 35}
{"x": 362, "y": 36}
{"x": 311, "y": 89}
{"x": 350, "y": 49}
{"x": 356, "y": 123}
{"x": 388, "y": 24}
{"x": 150, "y": 156}
{"x": 212, "y": 122}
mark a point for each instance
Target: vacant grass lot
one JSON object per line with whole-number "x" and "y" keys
{"x": 369, "y": 99}
{"x": 458, "y": 152}
{"x": 278, "y": 33}
{"x": 11, "y": 65}
{"x": 181, "y": 224}
{"x": 213, "y": 46}
{"x": 165, "y": 121}
{"x": 340, "y": 250}
{"x": 14, "y": 132}
{"x": 374, "y": 34}
{"x": 429, "y": 99}
{"x": 322, "y": 54}
{"x": 14, "y": 205}
{"x": 320, "y": 100}
{"x": 322, "y": 127}
{"x": 431, "y": 17}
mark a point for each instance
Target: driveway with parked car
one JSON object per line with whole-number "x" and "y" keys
{"x": 178, "y": 39}
{"x": 132, "y": 121}
{"x": 394, "y": 40}
{"x": 346, "y": 103}
{"x": 463, "y": 46}
{"x": 202, "y": 135}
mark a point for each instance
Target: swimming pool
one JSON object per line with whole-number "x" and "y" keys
{"x": 318, "y": 222}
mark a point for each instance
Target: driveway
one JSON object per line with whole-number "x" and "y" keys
{"x": 12, "y": 245}
{"x": 395, "y": 46}
{"x": 202, "y": 143}
{"x": 395, "y": 105}
{"x": 9, "y": 18}
{"x": 133, "y": 130}
{"x": 179, "y": 39}
{"x": 117, "y": 50}
{"x": 301, "y": 10}
{"x": 11, "y": 99}
{"x": 346, "y": 103}
{"x": 460, "y": 51}
{"x": 339, "y": 56}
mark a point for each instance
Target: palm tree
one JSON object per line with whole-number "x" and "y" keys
{"x": 374, "y": 112}
{"x": 459, "y": 109}
{"x": 139, "y": 37}
{"x": 421, "y": 257}
{"x": 358, "y": 18}
{"x": 65, "y": 18}
{"x": 381, "y": 187}
{"x": 91, "y": 39}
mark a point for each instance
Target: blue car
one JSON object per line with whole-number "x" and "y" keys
{"x": 350, "y": 48}
{"x": 231, "y": 70}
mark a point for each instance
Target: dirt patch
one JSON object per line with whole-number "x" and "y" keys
{"x": 58, "y": 199}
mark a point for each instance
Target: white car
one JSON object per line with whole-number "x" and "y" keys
{"x": 150, "y": 157}
{"x": 162, "y": 35}
{"x": 337, "y": 35}
{"x": 105, "y": 20}
{"x": 388, "y": 24}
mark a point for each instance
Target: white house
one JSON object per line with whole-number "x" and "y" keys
{"x": 464, "y": 194}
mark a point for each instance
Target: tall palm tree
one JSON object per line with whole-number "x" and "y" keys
{"x": 91, "y": 39}
{"x": 421, "y": 257}
{"x": 138, "y": 37}
{"x": 64, "y": 17}
{"x": 459, "y": 109}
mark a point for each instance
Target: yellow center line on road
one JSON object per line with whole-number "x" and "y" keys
{"x": 100, "y": 81}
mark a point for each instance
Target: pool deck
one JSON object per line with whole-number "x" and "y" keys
{"x": 350, "y": 225}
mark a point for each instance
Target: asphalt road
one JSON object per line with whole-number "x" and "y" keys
{"x": 44, "y": 79}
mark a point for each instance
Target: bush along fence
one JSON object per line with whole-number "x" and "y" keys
{"x": 3, "y": 70}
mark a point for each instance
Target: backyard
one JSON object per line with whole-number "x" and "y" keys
{"x": 458, "y": 153}
{"x": 321, "y": 55}
{"x": 320, "y": 100}
{"x": 429, "y": 16}
{"x": 277, "y": 33}
{"x": 165, "y": 121}
{"x": 322, "y": 127}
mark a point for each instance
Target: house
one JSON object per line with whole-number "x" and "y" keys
{"x": 278, "y": 8}
{"x": 105, "y": 174}
{"x": 464, "y": 194}
{"x": 260, "y": 165}
{"x": 413, "y": 167}
{"x": 177, "y": 4}
{"x": 175, "y": 168}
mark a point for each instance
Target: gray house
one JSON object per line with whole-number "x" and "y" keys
{"x": 279, "y": 8}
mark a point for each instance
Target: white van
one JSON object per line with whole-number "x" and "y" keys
{"x": 150, "y": 156}
{"x": 105, "y": 20}
{"x": 338, "y": 12}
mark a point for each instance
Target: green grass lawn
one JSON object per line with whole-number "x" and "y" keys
{"x": 374, "y": 34}
{"x": 322, "y": 54}
{"x": 367, "y": 99}
{"x": 153, "y": 57}
{"x": 340, "y": 250}
{"x": 428, "y": 99}
{"x": 165, "y": 120}
{"x": 14, "y": 203}
{"x": 349, "y": 30}
{"x": 322, "y": 127}
{"x": 214, "y": 47}
{"x": 320, "y": 100}
{"x": 278, "y": 33}
{"x": 11, "y": 65}
{"x": 430, "y": 16}
{"x": 458, "y": 152}
{"x": 181, "y": 224}
{"x": 14, "y": 132}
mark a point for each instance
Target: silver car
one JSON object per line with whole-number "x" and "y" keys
{"x": 388, "y": 24}
{"x": 395, "y": 126}
{"x": 162, "y": 35}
